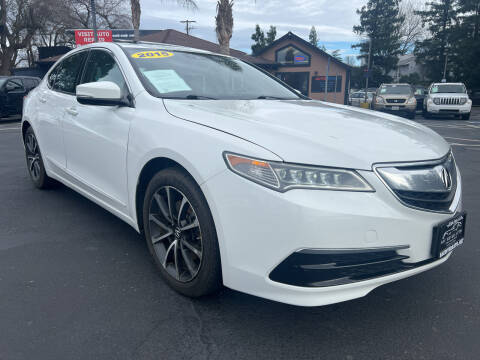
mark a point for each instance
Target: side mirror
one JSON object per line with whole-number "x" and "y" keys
{"x": 103, "y": 93}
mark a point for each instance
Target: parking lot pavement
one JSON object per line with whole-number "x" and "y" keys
{"x": 77, "y": 283}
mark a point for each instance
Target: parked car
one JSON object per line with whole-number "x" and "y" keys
{"x": 12, "y": 91}
{"x": 420, "y": 92}
{"x": 447, "y": 99}
{"x": 397, "y": 99}
{"x": 359, "y": 97}
{"x": 475, "y": 97}
{"x": 233, "y": 178}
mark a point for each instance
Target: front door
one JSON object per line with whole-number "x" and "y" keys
{"x": 96, "y": 137}
{"x": 297, "y": 80}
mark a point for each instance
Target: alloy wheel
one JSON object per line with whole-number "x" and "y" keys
{"x": 33, "y": 156}
{"x": 175, "y": 233}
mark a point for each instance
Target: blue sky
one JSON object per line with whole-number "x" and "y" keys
{"x": 333, "y": 19}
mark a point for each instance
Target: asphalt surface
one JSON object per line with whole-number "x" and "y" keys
{"x": 77, "y": 283}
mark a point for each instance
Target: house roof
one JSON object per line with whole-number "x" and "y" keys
{"x": 292, "y": 37}
{"x": 175, "y": 37}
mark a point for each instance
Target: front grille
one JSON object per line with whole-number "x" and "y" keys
{"x": 430, "y": 186}
{"x": 449, "y": 101}
{"x": 449, "y": 110}
{"x": 395, "y": 101}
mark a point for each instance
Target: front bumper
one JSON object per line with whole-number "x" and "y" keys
{"x": 448, "y": 109}
{"x": 396, "y": 108}
{"x": 258, "y": 229}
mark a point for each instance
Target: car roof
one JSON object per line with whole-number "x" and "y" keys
{"x": 147, "y": 45}
{"x": 391, "y": 84}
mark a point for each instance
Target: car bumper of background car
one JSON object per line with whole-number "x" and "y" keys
{"x": 453, "y": 109}
{"x": 260, "y": 231}
{"x": 396, "y": 109}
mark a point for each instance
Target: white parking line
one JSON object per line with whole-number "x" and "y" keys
{"x": 448, "y": 137}
{"x": 13, "y": 128}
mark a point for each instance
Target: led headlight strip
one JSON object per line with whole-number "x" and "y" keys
{"x": 283, "y": 176}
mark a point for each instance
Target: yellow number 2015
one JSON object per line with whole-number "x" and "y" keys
{"x": 152, "y": 54}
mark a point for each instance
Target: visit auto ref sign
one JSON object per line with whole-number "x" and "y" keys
{"x": 85, "y": 36}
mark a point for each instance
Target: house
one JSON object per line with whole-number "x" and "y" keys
{"x": 308, "y": 69}
{"x": 406, "y": 65}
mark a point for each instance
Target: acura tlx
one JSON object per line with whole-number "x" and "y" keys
{"x": 236, "y": 179}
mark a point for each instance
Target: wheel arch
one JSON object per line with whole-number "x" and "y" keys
{"x": 150, "y": 168}
{"x": 25, "y": 125}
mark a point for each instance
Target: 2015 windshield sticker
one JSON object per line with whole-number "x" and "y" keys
{"x": 152, "y": 54}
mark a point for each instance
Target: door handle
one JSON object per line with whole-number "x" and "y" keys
{"x": 42, "y": 99}
{"x": 72, "y": 111}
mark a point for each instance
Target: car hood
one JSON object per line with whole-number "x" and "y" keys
{"x": 316, "y": 133}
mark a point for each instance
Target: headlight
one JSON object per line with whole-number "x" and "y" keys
{"x": 436, "y": 101}
{"x": 463, "y": 101}
{"x": 380, "y": 100}
{"x": 283, "y": 177}
{"x": 411, "y": 101}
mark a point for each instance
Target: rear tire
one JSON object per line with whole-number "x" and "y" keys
{"x": 35, "y": 165}
{"x": 426, "y": 114}
{"x": 466, "y": 116}
{"x": 181, "y": 234}
{"x": 411, "y": 116}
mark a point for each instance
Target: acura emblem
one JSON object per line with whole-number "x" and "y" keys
{"x": 446, "y": 178}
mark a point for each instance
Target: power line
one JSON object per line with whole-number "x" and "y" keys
{"x": 187, "y": 25}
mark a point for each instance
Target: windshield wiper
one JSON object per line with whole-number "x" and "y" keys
{"x": 190, "y": 97}
{"x": 267, "y": 97}
{"x": 200, "y": 97}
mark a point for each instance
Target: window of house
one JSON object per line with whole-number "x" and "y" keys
{"x": 334, "y": 84}
{"x": 290, "y": 55}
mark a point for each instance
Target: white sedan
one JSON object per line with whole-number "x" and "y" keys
{"x": 235, "y": 179}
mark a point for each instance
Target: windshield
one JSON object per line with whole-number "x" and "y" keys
{"x": 448, "y": 88}
{"x": 184, "y": 75}
{"x": 395, "y": 90}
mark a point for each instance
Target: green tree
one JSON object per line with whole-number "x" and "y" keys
{"x": 465, "y": 44}
{"x": 336, "y": 54}
{"x": 439, "y": 17}
{"x": 259, "y": 37}
{"x": 271, "y": 35}
{"x": 313, "y": 37}
{"x": 380, "y": 21}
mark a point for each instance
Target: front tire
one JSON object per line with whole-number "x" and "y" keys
{"x": 35, "y": 165}
{"x": 181, "y": 234}
{"x": 466, "y": 116}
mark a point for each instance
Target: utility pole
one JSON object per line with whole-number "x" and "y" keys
{"x": 444, "y": 79}
{"x": 94, "y": 19}
{"x": 187, "y": 25}
{"x": 368, "y": 67}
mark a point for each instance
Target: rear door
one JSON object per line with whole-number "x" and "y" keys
{"x": 54, "y": 99}
{"x": 14, "y": 91}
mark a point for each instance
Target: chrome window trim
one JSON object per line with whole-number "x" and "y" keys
{"x": 456, "y": 199}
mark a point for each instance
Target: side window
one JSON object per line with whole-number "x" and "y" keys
{"x": 15, "y": 85}
{"x": 66, "y": 74}
{"x": 29, "y": 83}
{"x": 101, "y": 66}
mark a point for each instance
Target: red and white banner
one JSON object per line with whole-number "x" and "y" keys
{"x": 84, "y": 37}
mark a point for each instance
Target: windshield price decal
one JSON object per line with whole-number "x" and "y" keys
{"x": 152, "y": 54}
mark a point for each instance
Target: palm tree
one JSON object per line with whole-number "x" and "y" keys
{"x": 137, "y": 11}
{"x": 224, "y": 25}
